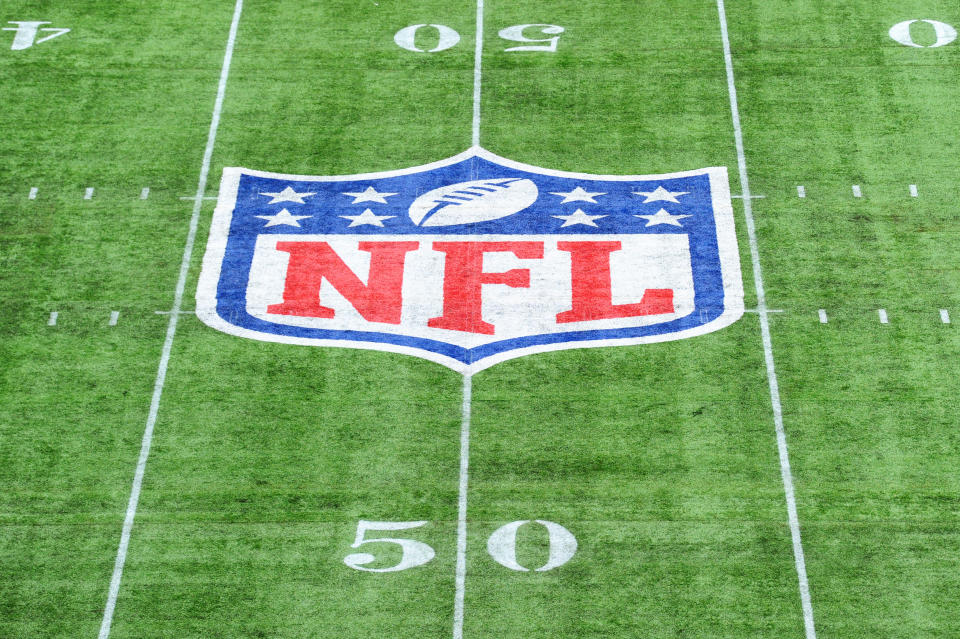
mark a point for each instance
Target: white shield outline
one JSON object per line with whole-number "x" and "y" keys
{"x": 226, "y": 202}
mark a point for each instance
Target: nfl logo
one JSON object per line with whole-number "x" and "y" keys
{"x": 471, "y": 260}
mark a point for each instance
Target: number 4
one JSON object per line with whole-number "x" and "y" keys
{"x": 415, "y": 553}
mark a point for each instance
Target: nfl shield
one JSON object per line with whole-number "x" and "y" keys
{"x": 471, "y": 260}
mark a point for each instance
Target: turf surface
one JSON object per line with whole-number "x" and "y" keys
{"x": 661, "y": 459}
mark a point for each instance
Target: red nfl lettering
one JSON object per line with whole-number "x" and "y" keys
{"x": 379, "y": 300}
{"x": 464, "y": 278}
{"x": 591, "y": 286}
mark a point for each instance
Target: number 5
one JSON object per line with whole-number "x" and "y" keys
{"x": 515, "y": 33}
{"x": 415, "y": 553}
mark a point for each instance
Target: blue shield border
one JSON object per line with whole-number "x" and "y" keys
{"x": 218, "y": 293}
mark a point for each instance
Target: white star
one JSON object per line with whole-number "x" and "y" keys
{"x": 370, "y": 195}
{"x": 578, "y": 217}
{"x": 578, "y": 195}
{"x": 367, "y": 217}
{"x": 661, "y": 195}
{"x": 287, "y": 195}
{"x": 283, "y": 217}
{"x": 662, "y": 217}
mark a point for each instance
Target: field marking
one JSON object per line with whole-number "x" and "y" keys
{"x": 882, "y": 312}
{"x": 33, "y": 193}
{"x": 461, "y": 575}
{"x": 114, "y": 316}
{"x": 944, "y": 316}
{"x": 193, "y": 198}
{"x": 856, "y": 191}
{"x": 171, "y": 331}
{"x": 145, "y": 193}
{"x": 785, "y": 471}
{"x": 53, "y": 318}
{"x": 175, "y": 312}
{"x": 88, "y": 193}
{"x": 801, "y": 191}
{"x": 768, "y": 310}
{"x": 477, "y": 73}
{"x": 823, "y": 316}
{"x": 913, "y": 191}
{"x": 751, "y": 197}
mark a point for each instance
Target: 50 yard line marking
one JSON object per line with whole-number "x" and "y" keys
{"x": 785, "y": 472}
{"x": 465, "y": 406}
{"x": 171, "y": 331}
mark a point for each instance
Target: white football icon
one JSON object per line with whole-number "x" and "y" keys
{"x": 474, "y": 201}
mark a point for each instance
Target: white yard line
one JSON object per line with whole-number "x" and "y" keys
{"x": 171, "y": 331}
{"x": 477, "y": 74}
{"x": 785, "y": 471}
{"x": 461, "y": 578}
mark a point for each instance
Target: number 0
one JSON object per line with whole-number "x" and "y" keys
{"x": 502, "y": 545}
{"x": 405, "y": 38}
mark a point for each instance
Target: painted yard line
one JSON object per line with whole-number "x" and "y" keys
{"x": 175, "y": 312}
{"x": 461, "y": 576}
{"x": 913, "y": 190}
{"x": 88, "y": 194}
{"x": 768, "y": 310}
{"x": 114, "y": 316}
{"x": 53, "y": 318}
{"x": 171, "y": 331}
{"x": 801, "y": 191}
{"x": 33, "y": 193}
{"x": 785, "y": 472}
{"x": 856, "y": 191}
{"x": 944, "y": 316}
{"x": 882, "y": 312}
{"x": 477, "y": 74}
{"x": 823, "y": 316}
{"x": 194, "y": 197}
{"x": 752, "y": 197}
{"x": 145, "y": 193}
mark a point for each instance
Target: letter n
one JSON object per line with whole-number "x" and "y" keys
{"x": 379, "y": 300}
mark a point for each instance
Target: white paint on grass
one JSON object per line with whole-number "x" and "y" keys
{"x": 406, "y": 38}
{"x": 194, "y": 198}
{"x": 801, "y": 191}
{"x": 856, "y": 191}
{"x": 114, "y": 316}
{"x": 461, "y": 574}
{"x": 88, "y": 194}
{"x": 882, "y": 312}
{"x": 33, "y": 193}
{"x": 502, "y": 545}
{"x": 477, "y": 73}
{"x": 171, "y": 331}
{"x": 145, "y": 193}
{"x": 944, "y": 316}
{"x": 913, "y": 190}
{"x": 823, "y": 316}
{"x": 27, "y": 31}
{"x": 945, "y": 34}
{"x": 785, "y": 472}
{"x": 53, "y": 318}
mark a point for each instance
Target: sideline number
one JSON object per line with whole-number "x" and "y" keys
{"x": 944, "y": 32}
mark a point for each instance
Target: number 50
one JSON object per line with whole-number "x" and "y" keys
{"x": 448, "y": 38}
{"x": 502, "y": 546}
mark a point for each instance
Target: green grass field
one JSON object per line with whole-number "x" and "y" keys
{"x": 661, "y": 459}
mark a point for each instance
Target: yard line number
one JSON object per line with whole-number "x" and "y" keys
{"x": 447, "y": 38}
{"x": 502, "y": 546}
{"x": 945, "y": 34}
